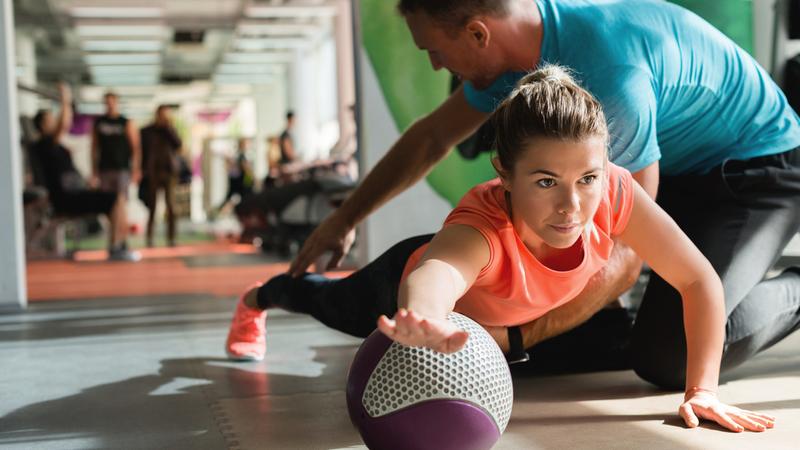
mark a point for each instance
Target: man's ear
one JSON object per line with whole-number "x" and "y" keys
{"x": 505, "y": 176}
{"x": 479, "y": 33}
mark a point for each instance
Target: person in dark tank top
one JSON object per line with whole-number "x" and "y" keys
{"x": 116, "y": 153}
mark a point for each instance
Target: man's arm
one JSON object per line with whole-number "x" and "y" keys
{"x": 95, "y": 156}
{"x": 136, "y": 150}
{"x": 616, "y": 278}
{"x": 648, "y": 179}
{"x": 288, "y": 149}
{"x": 613, "y": 280}
{"x": 174, "y": 139}
{"x": 423, "y": 145}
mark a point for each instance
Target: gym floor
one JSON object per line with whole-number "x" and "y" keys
{"x": 145, "y": 369}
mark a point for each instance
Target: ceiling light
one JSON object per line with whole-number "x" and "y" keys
{"x": 120, "y": 30}
{"x": 96, "y": 45}
{"x": 254, "y": 27}
{"x": 268, "y": 43}
{"x": 258, "y": 57}
{"x": 232, "y": 78}
{"x": 116, "y": 12}
{"x": 289, "y": 11}
{"x": 122, "y": 58}
{"x": 125, "y": 80}
{"x": 251, "y": 69}
{"x": 124, "y": 70}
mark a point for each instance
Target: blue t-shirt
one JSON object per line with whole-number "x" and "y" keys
{"x": 674, "y": 89}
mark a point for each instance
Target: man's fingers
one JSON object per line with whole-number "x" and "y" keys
{"x": 336, "y": 259}
{"x": 303, "y": 259}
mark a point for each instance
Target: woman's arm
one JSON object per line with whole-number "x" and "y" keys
{"x": 451, "y": 264}
{"x": 650, "y": 232}
{"x": 654, "y": 236}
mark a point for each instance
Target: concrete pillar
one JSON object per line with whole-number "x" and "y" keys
{"x": 25, "y": 50}
{"x": 13, "y": 293}
{"x": 304, "y": 104}
{"x": 345, "y": 65}
{"x": 271, "y": 118}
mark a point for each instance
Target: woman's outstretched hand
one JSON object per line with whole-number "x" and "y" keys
{"x": 409, "y": 328}
{"x": 703, "y": 404}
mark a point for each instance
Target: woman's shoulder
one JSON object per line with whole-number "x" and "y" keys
{"x": 483, "y": 205}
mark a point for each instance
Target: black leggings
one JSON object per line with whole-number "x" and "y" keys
{"x": 351, "y": 305}
{"x": 741, "y": 223}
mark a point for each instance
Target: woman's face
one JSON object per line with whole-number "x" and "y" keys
{"x": 556, "y": 186}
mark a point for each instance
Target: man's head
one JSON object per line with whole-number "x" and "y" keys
{"x": 112, "y": 103}
{"x": 44, "y": 122}
{"x": 163, "y": 115}
{"x": 289, "y": 119}
{"x": 457, "y": 34}
{"x": 244, "y": 144}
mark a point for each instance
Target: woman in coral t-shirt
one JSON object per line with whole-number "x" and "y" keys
{"x": 519, "y": 246}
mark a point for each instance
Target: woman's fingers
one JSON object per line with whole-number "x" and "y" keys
{"x": 719, "y": 416}
{"x": 746, "y": 422}
{"x": 457, "y": 341}
{"x": 688, "y": 415}
{"x": 426, "y": 327}
{"x": 764, "y": 420}
{"x": 409, "y": 328}
{"x": 768, "y": 420}
{"x": 386, "y": 326}
{"x": 407, "y": 323}
{"x": 729, "y": 417}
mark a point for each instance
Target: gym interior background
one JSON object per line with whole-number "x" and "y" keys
{"x": 98, "y": 354}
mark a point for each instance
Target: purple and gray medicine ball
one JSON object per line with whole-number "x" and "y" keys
{"x": 404, "y": 398}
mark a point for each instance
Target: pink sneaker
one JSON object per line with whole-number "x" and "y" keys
{"x": 246, "y": 338}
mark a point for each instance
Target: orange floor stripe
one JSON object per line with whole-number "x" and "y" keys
{"x": 159, "y": 273}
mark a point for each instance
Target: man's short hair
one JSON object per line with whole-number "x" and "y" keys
{"x": 454, "y": 12}
{"x": 38, "y": 119}
{"x": 111, "y": 94}
{"x": 289, "y": 115}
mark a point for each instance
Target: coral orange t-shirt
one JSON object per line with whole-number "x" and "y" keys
{"x": 514, "y": 287}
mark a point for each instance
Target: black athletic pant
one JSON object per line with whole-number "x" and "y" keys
{"x": 741, "y": 215}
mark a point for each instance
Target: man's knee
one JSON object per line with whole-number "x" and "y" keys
{"x": 662, "y": 366}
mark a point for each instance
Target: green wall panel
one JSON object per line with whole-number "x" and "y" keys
{"x": 732, "y": 17}
{"x": 412, "y": 89}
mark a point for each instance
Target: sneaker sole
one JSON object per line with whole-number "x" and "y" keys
{"x": 247, "y": 358}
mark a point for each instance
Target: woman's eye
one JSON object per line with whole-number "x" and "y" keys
{"x": 546, "y": 182}
{"x": 588, "y": 179}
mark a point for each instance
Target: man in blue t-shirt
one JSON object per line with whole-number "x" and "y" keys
{"x": 691, "y": 114}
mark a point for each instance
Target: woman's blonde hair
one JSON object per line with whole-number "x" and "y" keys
{"x": 545, "y": 103}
